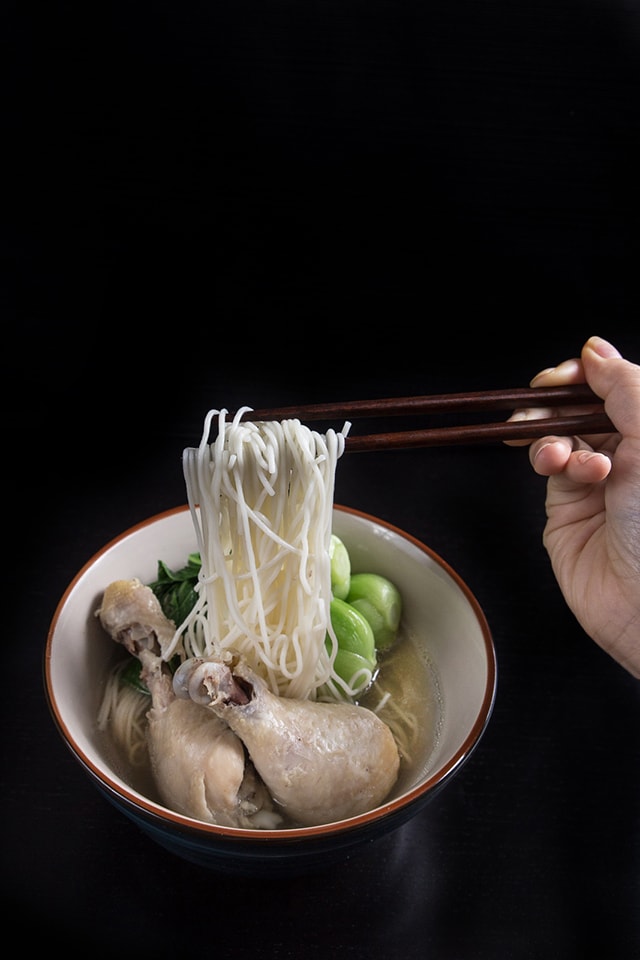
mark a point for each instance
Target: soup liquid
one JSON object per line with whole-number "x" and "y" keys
{"x": 413, "y": 709}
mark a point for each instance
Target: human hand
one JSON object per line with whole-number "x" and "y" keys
{"x": 592, "y": 533}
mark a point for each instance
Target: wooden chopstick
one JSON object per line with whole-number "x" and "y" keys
{"x": 593, "y": 422}
{"x": 482, "y": 433}
{"x": 509, "y": 399}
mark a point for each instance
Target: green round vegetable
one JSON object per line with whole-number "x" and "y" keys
{"x": 348, "y": 664}
{"x": 353, "y": 630}
{"x": 356, "y": 646}
{"x": 380, "y": 602}
{"x": 340, "y": 568}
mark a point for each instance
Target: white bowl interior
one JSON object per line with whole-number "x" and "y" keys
{"x": 438, "y": 608}
{"x": 442, "y": 613}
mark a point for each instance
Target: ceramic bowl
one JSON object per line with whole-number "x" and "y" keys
{"x": 441, "y": 615}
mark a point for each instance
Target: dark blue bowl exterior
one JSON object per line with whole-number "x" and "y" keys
{"x": 289, "y": 855}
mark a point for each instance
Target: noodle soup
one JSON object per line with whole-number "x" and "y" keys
{"x": 280, "y": 662}
{"x": 448, "y": 647}
{"x": 405, "y": 694}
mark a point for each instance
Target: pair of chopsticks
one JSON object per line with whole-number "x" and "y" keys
{"x": 593, "y": 422}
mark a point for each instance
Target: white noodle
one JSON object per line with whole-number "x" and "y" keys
{"x": 123, "y": 710}
{"x": 261, "y": 499}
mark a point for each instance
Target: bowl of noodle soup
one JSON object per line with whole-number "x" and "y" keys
{"x": 439, "y": 690}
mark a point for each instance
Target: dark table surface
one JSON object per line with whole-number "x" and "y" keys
{"x": 260, "y": 202}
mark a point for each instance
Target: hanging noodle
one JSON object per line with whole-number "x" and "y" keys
{"x": 261, "y": 499}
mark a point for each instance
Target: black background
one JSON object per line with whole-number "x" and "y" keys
{"x": 249, "y": 202}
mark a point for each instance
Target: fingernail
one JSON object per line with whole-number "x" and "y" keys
{"x": 539, "y": 451}
{"x": 542, "y": 373}
{"x": 567, "y": 369}
{"x": 602, "y": 348}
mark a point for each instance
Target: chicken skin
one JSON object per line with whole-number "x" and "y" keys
{"x": 199, "y": 765}
{"x": 321, "y": 762}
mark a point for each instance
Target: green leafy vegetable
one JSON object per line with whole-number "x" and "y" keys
{"x": 130, "y": 674}
{"x": 175, "y": 588}
{"x": 175, "y": 592}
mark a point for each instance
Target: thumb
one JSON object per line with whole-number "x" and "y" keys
{"x": 617, "y": 382}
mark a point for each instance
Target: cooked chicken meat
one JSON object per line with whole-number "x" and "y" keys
{"x": 322, "y": 762}
{"x": 199, "y": 765}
